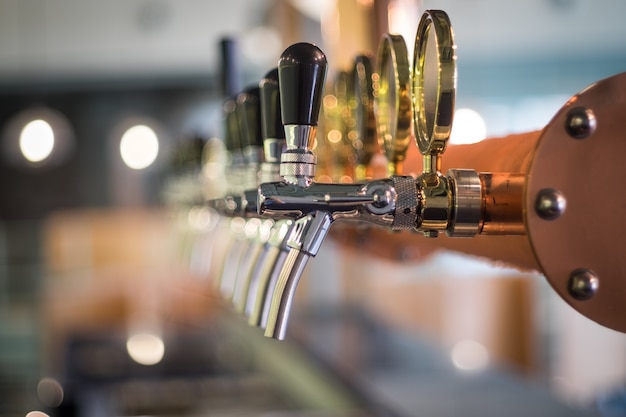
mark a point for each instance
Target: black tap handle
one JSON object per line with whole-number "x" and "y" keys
{"x": 302, "y": 72}
{"x": 232, "y": 134}
{"x": 249, "y": 114}
{"x": 271, "y": 121}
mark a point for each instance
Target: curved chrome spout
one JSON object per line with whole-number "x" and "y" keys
{"x": 304, "y": 241}
{"x": 264, "y": 278}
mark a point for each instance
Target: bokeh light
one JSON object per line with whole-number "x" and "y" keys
{"x": 37, "y": 140}
{"x": 470, "y": 355}
{"x": 145, "y": 348}
{"x": 50, "y": 392}
{"x": 139, "y": 147}
{"x": 469, "y": 127}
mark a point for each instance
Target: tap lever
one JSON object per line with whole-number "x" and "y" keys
{"x": 271, "y": 121}
{"x": 301, "y": 72}
{"x": 249, "y": 116}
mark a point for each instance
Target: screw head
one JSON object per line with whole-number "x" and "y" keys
{"x": 580, "y": 123}
{"x": 583, "y": 284}
{"x": 550, "y": 204}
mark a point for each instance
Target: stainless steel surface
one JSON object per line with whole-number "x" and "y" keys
{"x": 257, "y": 233}
{"x": 304, "y": 242}
{"x": 238, "y": 246}
{"x": 467, "y": 213}
{"x": 297, "y": 162}
{"x": 372, "y": 202}
{"x": 258, "y": 290}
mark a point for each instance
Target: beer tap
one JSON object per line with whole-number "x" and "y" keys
{"x": 263, "y": 277}
{"x": 256, "y": 231}
{"x": 302, "y": 70}
{"x": 241, "y": 134}
{"x": 457, "y": 203}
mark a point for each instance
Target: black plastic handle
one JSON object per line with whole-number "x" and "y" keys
{"x": 302, "y": 71}
{"x": 271, "y": 120}
{"x": 249, "y": 115}
{"x": 232, "y": 134}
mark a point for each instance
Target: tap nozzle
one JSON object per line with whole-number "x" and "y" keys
{"x": 305, "y": 240}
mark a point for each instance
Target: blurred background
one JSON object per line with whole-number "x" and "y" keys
{"x": 105, "y": 109}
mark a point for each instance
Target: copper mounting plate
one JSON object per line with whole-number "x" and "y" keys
{"x": 591, "y": 232}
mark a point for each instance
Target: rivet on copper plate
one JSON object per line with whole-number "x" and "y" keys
{"x": 580, "y": 122}
{"x": 550, "y": 204}
{"x": 583, "y": 284}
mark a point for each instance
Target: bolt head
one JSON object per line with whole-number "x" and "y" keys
{"x": 550, "y": 204}
{"x": 580, "y": 123}
{"x": 583, "y": 284}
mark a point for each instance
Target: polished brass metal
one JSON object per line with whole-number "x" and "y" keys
{"x": 392, "y": 101}
{"x": 434, "y": 83}
{"x": 433, "y": 92}
{"x": 362, "y": 132}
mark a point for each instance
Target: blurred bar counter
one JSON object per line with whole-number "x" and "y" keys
{"x": 111, "y": 275}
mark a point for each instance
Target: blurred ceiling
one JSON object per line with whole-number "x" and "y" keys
{"x": 79, "y": 38}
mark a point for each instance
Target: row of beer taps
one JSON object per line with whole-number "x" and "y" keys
{"x": 275, "y": 215}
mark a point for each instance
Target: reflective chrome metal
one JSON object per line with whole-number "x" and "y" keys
{"x": 258, "y": 233}
{"x": 436, "y": 203}
{"x": 304, "y": 241}
{"x": 237, "y": 249}
{"x": 260, "y": 280}
{"x": 297, "y": 162}
{"x": 583, "y": 284}
{"x": 466, "y": 190}
{"x": 550, "y": 204}
{"x": 580, "y": 122}
{"x": 373, "y": 202}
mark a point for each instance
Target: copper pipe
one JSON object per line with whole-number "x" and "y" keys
{"x": 503, "y": 200}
